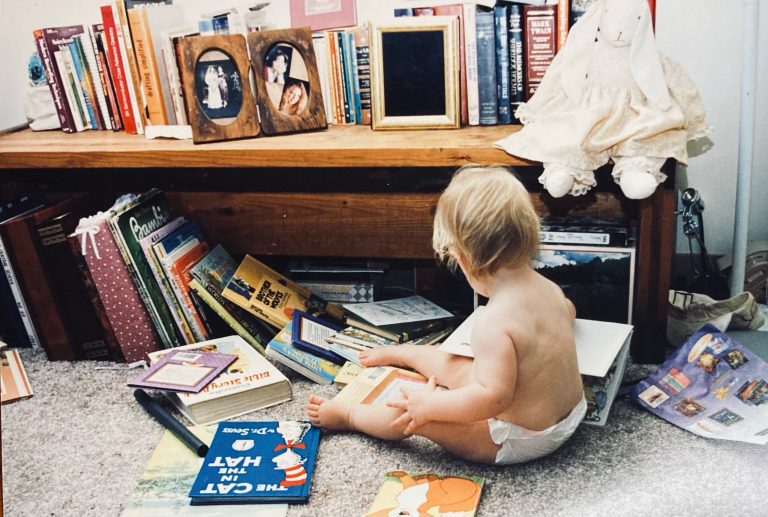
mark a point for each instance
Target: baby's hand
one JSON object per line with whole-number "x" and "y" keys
{"x": 416, "y": 405}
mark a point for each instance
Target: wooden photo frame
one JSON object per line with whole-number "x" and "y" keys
{"x": 290, "y": 98}
{"x": 415, "y": 73}
{"x": 220, "y": 104}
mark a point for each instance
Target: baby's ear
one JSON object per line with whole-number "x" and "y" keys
{"x": 574, "y": 58}
{"x": 647, "y": 69}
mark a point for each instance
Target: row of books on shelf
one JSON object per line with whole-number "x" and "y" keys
{"x": 126, "y": 72}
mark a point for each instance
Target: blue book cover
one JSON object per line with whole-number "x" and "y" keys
{"x": 349, "y": 108}
{"x": 501, "y": 20}
{"x": 258, "y": 462}
{"x": 486, "y": 68}
{"x": 283, "y": 350}
{"x": 516, "y": 62}
{"x": 78, "y": 59}
{"x": 353, "y": 75}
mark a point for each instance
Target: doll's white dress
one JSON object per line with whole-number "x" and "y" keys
{"x": 614, "y": 119}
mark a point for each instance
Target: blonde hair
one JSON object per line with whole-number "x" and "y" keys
{"x": 485, "y": 215}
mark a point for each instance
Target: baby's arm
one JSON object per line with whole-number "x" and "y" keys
{"x": 494, "y": 372}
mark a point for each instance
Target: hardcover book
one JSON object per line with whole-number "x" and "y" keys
{"x": 501, "y": 27}
{"x": 590, "y": 232}
{"x": 183, "y": 371}
{"x": 258, "y": 462}
{"x": 162, "y": 490}
{"x": 129, "y": 225}
{"x": 540, "y": 43}
{"x": 127, "y": 314}
{"x": 516, "y": 60}
{"x": 271, "y": 296}
{"x": 248, "y": 384}
{"x": 428, "y": 494}
{"x": 283, "y": 350}
{"x": 310, "y": 333}
{"x": 399, "y": 320}
{"x": 486, "y": 68}
{"x": 363, "y": 59}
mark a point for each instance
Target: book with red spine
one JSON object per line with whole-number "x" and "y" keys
{"x": 539, "y": 43}
{"x": 117, "y": 70}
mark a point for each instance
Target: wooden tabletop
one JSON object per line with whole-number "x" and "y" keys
{"x": 338, "y": 146}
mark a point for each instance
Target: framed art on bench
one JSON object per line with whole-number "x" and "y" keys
{"x": 415, "y": 73}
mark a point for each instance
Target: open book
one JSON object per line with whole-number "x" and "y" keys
{"x": 602, "y": 349}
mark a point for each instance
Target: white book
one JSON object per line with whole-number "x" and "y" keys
{"x": 602, "y": 349}
{"x": 64, "y": 62}
{"x": 171, "y": 69}
{"x": 320, "y": 45}
{"x": 161, "y": 18}
{"x": 470, "y": 58}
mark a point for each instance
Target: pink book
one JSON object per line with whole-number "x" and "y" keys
{"x": 129, "y": 319}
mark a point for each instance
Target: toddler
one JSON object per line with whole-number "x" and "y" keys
{"x": 521, "y": 397}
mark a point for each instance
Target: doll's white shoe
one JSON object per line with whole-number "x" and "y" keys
{"x": 560, "y": 180}
{"x": 638, "y": 176}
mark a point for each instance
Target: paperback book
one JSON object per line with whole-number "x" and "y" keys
{"x": 283, "y": 350}
{"x": 398, "y": 320}
{"x": 251, "y": 382}
{"x": 380, "y": 384}
{"x": 183, "y": 371}
{"x": 427, "y": 494}
{"x": 258, "y": 462}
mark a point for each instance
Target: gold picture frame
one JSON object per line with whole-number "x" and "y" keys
{"x": 415, "y": 73}
{"x": 290, "y": 97}
{"x": 220, "y": 105}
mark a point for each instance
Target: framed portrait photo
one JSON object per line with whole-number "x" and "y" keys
{"x": 290, "y": 98}
{"x": 415, "y": 73}
{"x": 220, "y": 105}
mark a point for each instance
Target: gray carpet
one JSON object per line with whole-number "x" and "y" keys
{"x": 78, "y": 446}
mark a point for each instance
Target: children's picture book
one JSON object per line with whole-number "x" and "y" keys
{"x": 711, "y": 386}
{"x": 271, "y": 296}
{"x": 398, "y": 311}
{"x": 258, "y": 462}
{"x": 427, "y": 494}
{"x": 380, "y": 384}
{"x": 347, "y": 373}
{"x": 310, "y": 333}
{"x": 251, "y": 382}
{"x": 602, "y": 348}
{"x": 162, "y": 490}
{"x": 14, "y": 383}
{"x": 183, "y": 371}
{"x": 283, "y": 350}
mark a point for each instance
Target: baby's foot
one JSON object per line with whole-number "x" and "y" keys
{"x": 387, "y": 355}
{"x": 328, "y": 414}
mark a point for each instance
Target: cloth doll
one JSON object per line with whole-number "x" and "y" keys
{"x": 609, "y": 95}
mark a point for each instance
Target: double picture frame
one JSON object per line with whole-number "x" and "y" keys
{"x": 232, "y": 93}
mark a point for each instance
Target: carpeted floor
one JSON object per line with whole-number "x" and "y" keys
{"x": 78, "y": 446}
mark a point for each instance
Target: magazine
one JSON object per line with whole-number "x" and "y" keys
{"x": 711, "y": 386}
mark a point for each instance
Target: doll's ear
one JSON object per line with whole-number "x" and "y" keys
{"x": 577, "y": 52}
{"x": 646, "y": 62}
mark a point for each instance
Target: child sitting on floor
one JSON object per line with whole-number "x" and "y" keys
{"x": 521, "y": 397}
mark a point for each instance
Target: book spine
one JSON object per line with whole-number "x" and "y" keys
{"x": 54, "y": 83}
{"x": 174, "y": 81}
{"x": 563, "y": 19}
{"x": 179, "y": 287}
{"x": 21, "y": 304}
{"x": 363, "y": 59}
{"x": 125, "y": 42}
{"x": 470, "y": 53}
{"x": 64, "y": 62}
{"x": 26, "y": 261}
{"x": 106, "y": 79}
{"x": 516, "y": 59}
{"x": 81, "y": 84}
{"x": 320, "y": 46}
{"x": 166, "y": 289}
{"x": 149, "y": 77}
{"x": 117, "y": 69}
{"x": 457, "y": 10}
{"x": 97, "y": 77}
{"x": 354, "y": 76}
{"x": 346, "y": 87}
{"x": 92, "y": 81}
{"x": 322, "y": 368}
{"x": 12, "y": 329}
{"x": 486, "y": 69}
{"x": 99, "y": 312}
{"x": 540, "y": 42}
{"x": 215, "y": 304}
{"x": 333, "y": 74}
{"x": 501, "y": 21}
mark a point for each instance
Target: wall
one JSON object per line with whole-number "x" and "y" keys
{"x": 704, "y": 35}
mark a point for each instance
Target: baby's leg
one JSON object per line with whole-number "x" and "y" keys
{"x": 470, "y": 441}
{"x": 450, "y": 370}
{"x": 365, "y": 418}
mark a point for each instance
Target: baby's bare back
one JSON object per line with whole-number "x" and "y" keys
{"x": 539, "y": 322}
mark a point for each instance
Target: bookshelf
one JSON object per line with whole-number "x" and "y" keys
{"x": 346, "y": 191}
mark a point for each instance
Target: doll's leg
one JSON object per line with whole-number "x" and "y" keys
{"x": 559, "y": 180}
{"x": 638, "y": 176}
{"x": 449, "y": 370}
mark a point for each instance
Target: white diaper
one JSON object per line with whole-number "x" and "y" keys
{"x": 519, "y": 444}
